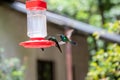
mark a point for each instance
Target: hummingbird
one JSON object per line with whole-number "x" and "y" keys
{"x": 52, "y": 38}
{"x": 66, "y": 38}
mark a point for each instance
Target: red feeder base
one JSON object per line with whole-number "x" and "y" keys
{"x": 37, "y": 43}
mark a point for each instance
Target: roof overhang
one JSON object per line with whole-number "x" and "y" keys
{"x": 79, "y": 26}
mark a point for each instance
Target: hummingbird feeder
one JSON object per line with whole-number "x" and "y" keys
{"x": 36, "y": 25}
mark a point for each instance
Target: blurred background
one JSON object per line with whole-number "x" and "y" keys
{"x": 96, "y": 56}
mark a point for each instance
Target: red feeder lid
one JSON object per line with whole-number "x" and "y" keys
{"x": 36, "y": 4}
{"x": 37, "y": 43}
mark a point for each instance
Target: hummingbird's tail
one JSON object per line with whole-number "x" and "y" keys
{"x": 73, "y": 42}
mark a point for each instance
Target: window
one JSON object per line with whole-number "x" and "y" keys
{"x": 45, "y": 70}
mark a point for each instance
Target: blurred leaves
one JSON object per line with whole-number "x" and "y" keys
{"x": 105, "y": 62}
{"x": 113, "y": 27}
{"x": 83, "y": 10}
{"x": 87, "y": 10}
{"x": 10, "y": 68}
{"x": 96, "y": 35}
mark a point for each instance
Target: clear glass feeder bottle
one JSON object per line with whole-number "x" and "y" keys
{"x": 36, "y": 23}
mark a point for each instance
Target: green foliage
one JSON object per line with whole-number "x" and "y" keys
{"x": 105, "y": 64}
{"x": 105, "y": 61}
{"x": 11, "y": 69}
{"x": 83, "y": 10}
{"x": 113, "y": 27}
{"x": 87, "y": 10}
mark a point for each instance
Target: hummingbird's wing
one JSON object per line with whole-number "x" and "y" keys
{"x": 69, "y": 33}
{"x": 56, "y": 42}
